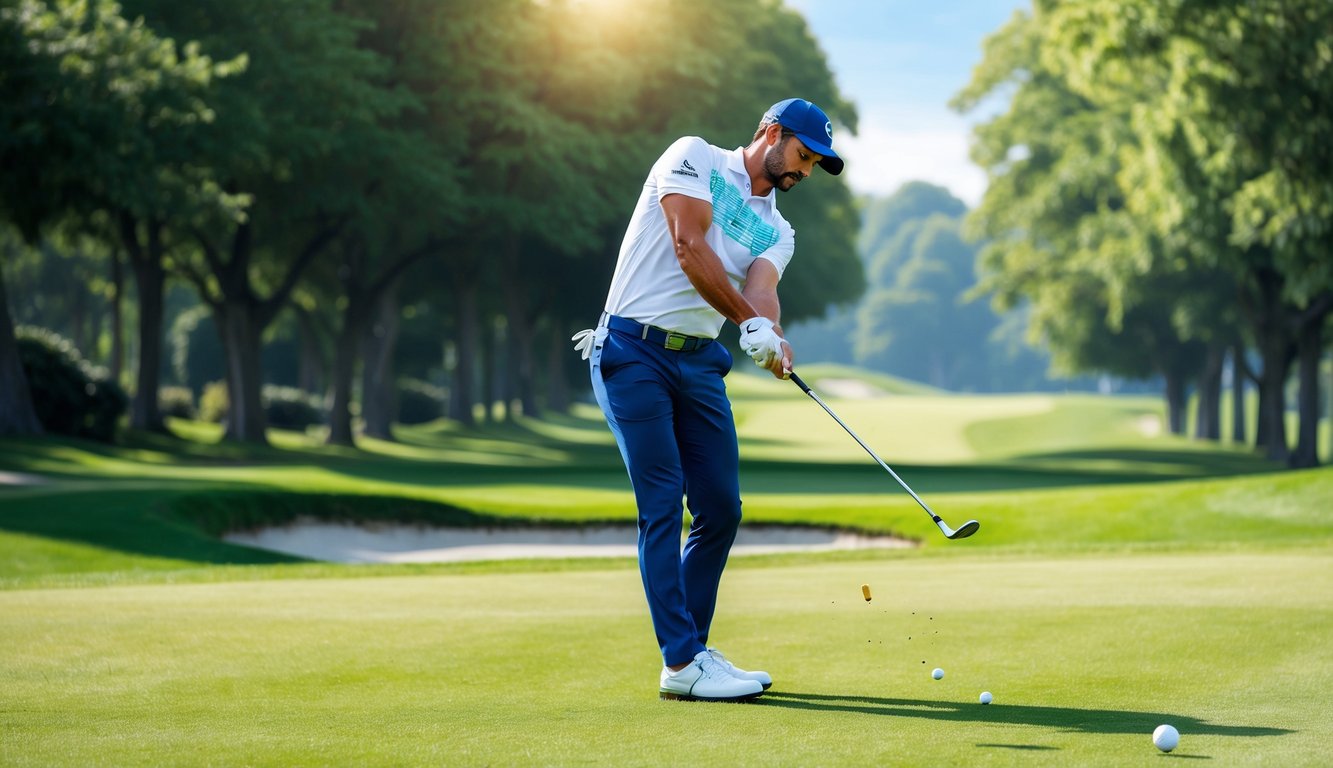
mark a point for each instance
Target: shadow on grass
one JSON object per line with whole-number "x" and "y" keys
{"x": 185, "y": 525}
{"x": 1065, "y": 719}
{"x": 129, "y": 522}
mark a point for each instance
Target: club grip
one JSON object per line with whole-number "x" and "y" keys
{"x": 799, "y": 383}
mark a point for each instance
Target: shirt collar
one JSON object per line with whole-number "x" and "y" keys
{"x": 736, "y": 164}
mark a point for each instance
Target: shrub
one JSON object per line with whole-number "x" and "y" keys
{"x": 70, "y": 396}
{"x": 420, "y": 401}
{"x": 292, "y": 408}
{"x": 213, "y": 403}
{"x": 284, "y": 407}
{"x": 176, "y": 401}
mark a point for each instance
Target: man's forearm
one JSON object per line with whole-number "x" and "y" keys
{"x": 765, "y": 302}
{"x": 705, "y": 272}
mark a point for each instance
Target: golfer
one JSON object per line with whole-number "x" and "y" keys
{"x": 705, "y": 245}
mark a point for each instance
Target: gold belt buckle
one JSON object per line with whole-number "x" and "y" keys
{"x": 675, "y": 341}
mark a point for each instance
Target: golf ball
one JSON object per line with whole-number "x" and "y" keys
{"x": 937, "y": 673}
{"x": 1165, "y": 738}
{"x": 985, "y": 697}
{"x": 865, "y": 592}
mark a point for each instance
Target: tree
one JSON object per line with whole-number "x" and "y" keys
{"x": 95, "y": 114}
{"x": 1237, "y": 166}
{"x": 1105, "y": 293}
{"x": 298, "y": 133}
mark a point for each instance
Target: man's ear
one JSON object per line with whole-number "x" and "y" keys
{"x": 773, "y": 134}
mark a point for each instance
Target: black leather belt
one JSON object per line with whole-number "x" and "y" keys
{"x": 677, "y": 342}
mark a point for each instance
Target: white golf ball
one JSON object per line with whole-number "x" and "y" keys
{"x": 938, "y": 673}
{"x": 1165, "y": 738}
{"x": 986, "y": 697}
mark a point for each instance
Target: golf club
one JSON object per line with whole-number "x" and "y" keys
{"x": 967, "y": 529}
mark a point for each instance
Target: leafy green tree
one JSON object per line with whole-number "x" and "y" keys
{"x": 299, "y": 133}
{"x": 98, "y": 114}
{"x": 1105, "y": 293}
{"x": 1237, "y": 166}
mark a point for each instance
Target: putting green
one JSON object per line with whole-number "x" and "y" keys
{"x": 1084, "y": 655}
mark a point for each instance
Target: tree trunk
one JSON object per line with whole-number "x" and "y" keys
{"x": 242, "y": 317}
{"x": 80, "y": 333}
{"x": 1310, "y": 348}
{"x": 150, "y": 279}
{"x": 1329, "y": 410}
{"x": 490, "y": 376}
{"x": 557, "y": 382}
{"x": 520, "y": 369}
{"x": 17, "y": 416}
{"x": 344, "y": 370}
{"x": 1272, "y": 431}
{"x": 1272, "y": 402}
{"x": 241, "y": 339}
{"x": 1239, "y": 374}
{"x": 462, "y": 395}
{"x": 311, "y": 368}
{"x": 378, "y": 389}
{"x": 1272, "y": 338}
{"x": 117, "y": 361}
{"x": 1175, "y": 402}
{"x": 1208, "y": 407}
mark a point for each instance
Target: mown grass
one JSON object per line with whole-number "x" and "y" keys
{"x": 1121, "y": 579}
{"x": 1085, "y": 656}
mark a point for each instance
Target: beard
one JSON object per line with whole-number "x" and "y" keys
{"x": 774, "y": 169}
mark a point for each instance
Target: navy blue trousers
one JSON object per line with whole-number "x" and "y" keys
{"x": 672, "y": 420}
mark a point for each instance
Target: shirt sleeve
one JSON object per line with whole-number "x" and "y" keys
{"x": 780, "y": 253}
{"x": 684, "y": 169}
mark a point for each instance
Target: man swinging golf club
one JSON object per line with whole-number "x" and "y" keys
{"x": 705, "y": 245}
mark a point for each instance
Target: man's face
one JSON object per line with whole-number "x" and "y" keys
{"x": 787, "y": 162}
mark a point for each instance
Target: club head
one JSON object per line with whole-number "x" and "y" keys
{"x": 965, "y": 530}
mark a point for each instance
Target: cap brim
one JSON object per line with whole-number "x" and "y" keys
{"x": 830, "y": 161}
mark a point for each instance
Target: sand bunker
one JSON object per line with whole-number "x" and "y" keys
{"x": 395, "y": 543}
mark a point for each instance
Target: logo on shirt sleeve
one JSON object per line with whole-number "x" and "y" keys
{"x": 686, "y": 169}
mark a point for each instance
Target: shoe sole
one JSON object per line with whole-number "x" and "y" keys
{"x": 674, "y": 696}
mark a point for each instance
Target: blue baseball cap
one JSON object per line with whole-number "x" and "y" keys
{"x": 811, "y": 126}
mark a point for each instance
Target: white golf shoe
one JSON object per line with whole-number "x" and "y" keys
{"x": 762, "y": 678}
{"x": 705, "y": 679}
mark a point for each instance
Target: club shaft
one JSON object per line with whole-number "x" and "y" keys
{"x": 862, "y": 443}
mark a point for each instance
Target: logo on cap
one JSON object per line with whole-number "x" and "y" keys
{"x": 828, "y": 128}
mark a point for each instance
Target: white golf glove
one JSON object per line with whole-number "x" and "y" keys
{"x": 585, "y": 339}
{"x": 760, "y": 341}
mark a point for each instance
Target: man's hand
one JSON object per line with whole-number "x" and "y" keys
{"x": 764, "y": 345}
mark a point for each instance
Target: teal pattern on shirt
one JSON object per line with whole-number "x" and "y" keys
{"x": 737, "y": 220}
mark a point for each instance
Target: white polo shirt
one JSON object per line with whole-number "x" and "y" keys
{"x": 648, "y": 285}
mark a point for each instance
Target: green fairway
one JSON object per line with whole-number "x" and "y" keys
{"x": 1121, "y": 579}
{"x": 1085, "y": 656}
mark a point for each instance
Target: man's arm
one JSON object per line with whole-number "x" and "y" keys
{"x": 761, "y": 290}
{"x": 688, "y": 219}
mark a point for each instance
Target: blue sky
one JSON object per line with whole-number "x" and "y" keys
{"x": 900, "y": 61}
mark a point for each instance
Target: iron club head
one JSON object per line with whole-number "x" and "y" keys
{"x": 965, "y": 530}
